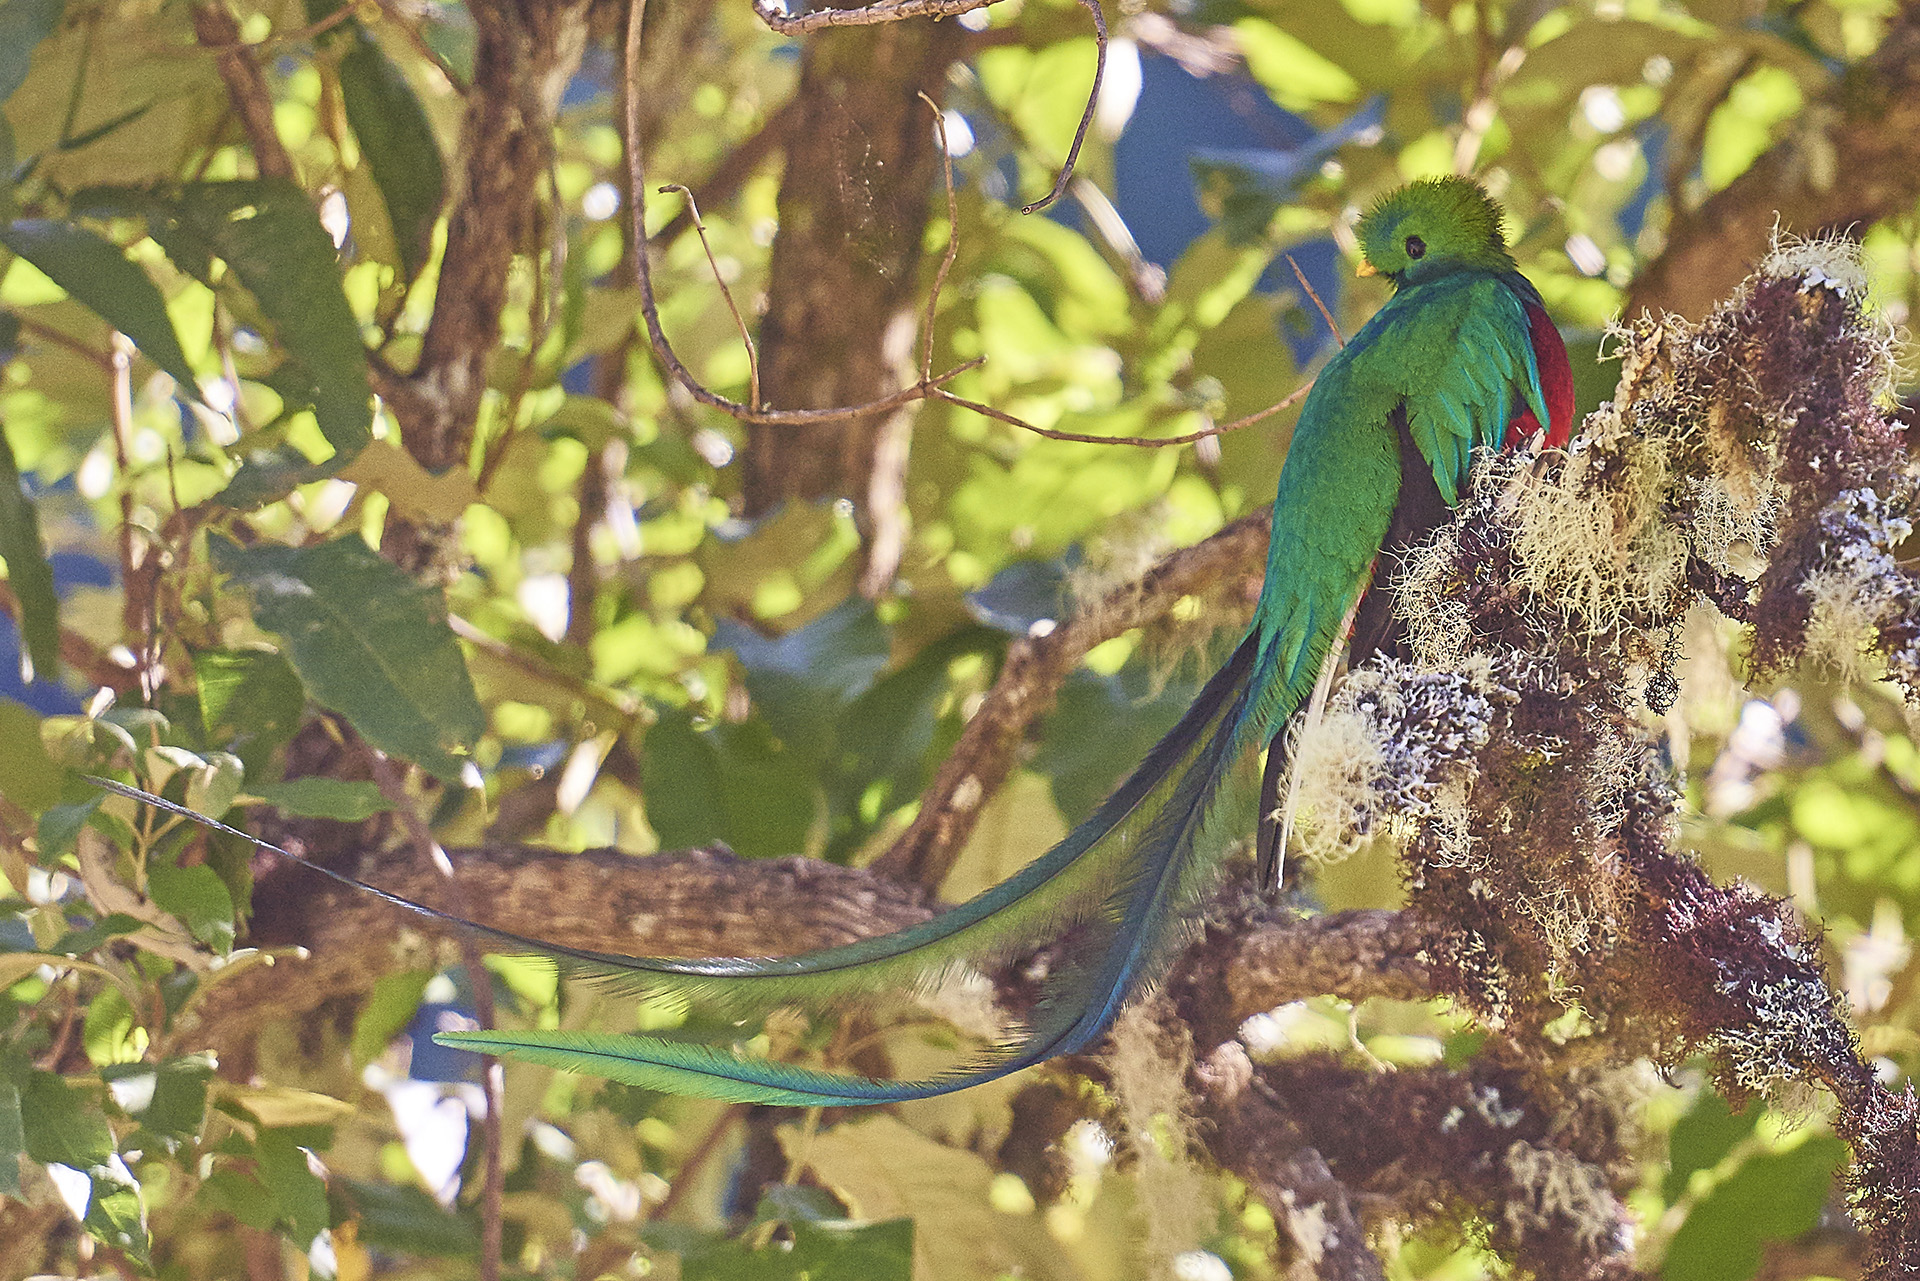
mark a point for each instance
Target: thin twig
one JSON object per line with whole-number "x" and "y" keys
{"x": 953, "y": 238}
{"x": 388, "y": 776}
{"x": 1142, "y": 442}
{"x": 308, "y": 32}
{"x": 59, "y": 339}
{"x": 650, "y": 309}
{"x": 746, "y": 335}
{"x": 702, "y": 1152}
{"x": 391, "y": 12}
{"x": 869, "y": 16}
{"x": 1086, "y": 117}
{"x": 1325, "y": 315}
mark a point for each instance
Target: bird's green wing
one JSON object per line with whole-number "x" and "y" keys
{"x": 1458, "y": 353}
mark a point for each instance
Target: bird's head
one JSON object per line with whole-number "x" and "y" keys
{"x": 1431, "y": 228}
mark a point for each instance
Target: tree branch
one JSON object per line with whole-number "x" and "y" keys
{"x": 1871, "y": 170}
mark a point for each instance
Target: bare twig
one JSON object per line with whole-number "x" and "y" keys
{"x": 282, "y": 39}
{"x": 1034, "y": 669}
{"x": 59, "y": 339}
{"x": 621, "y": 708}
{"x": 392, "y": 784}
{"x": 739, "y": 322}
{"x": 216, "y": 30}
{"x": 1314, "y": 294}
{"x": 1293, "y": 397}
{"x": 1086, "y": 116}
{"x": 953, "y": 238}
{"x": 870, "y": 15}
{"x": 696, "y": 1160}
{"x": 410, "y": 31}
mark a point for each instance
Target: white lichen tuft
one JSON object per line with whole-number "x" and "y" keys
{"x": 1337, "y": 764}
{"x": 1830, "y": 261}
{"x": 1601, "y": 562}
{"x": 1149, "y": 1067}
{"x": 1558, "y": 1188}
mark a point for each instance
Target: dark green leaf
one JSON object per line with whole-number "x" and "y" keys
{"x": 28, "y": 776}
{"x": 731, "y": 783}
{"x": 251, "y": 702}
{"x": 268, "y": 232}
{"x": 1702, "y": 1138}
{"x": 408, "y": 1221}
{"x": 1774, "y": 1197}
{"x": 61, "y": 824}
{"x": 63, "y": 1124}
{"x": 1100, "y": 729}
{"x": 397, "y": 141}
{"x": 800, "y": 681}
{"x": 28, "y": 572}
{"x": 336, "y": 798}
{"x": 112, "y": 926}
{"x": 302, "y": 1198}
{"x": 115, "y": 1217}
{"x": 99, "y": 276}
{"x": 368, "y": 642}
{"x": 169, "y": 1099}
{"x": 13, "y": 1139}
{"x": 23, "y": 25}
{"x": 268, "y": 475}
{"x": 198, "y": 897}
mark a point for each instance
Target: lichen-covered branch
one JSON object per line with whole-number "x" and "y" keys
{"x": 1032, "y": 674}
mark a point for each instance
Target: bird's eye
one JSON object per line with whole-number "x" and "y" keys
{"x": 1416, "y": 248}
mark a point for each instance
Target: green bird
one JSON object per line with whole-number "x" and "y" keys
{"x": 1462, "y": 357}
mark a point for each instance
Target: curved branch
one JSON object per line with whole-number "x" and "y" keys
{"x": 1875, "y": 151}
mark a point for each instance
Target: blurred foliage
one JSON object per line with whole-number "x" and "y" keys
{"x": 199, "y": 500}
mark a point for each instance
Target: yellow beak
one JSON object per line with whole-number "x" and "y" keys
{"x": 1366, "y": 269}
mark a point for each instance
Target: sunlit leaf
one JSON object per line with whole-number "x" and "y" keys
{"x": 368, "y": 642}
{"x": 98, "y": 274}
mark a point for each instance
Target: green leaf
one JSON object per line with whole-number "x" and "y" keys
{"x": 338, "y": 798}
{"x": 408, "y": 1221}
{"x": 729, "y": 783}
{"x": 63, "y": 1124}
{"x": 368, "y": 642}
{"x": 81, "y": 941}
{"x": 1702, "y": 1138}
{"x": 197, "y": 896}
{"x": 100, "y": 276}
{"x": 802, "y": 680}
{"x": 169, "y": 1099}
{"x": 397, "y": 141}
{"x": 1773, "y": 1197}
{"x": 268, "y": 475}
{"x": 60, "y": 826}
{"x": 114, "y": 1216}
{"x": 267, "y": 231}
{"x": 28, "y": 776}
{"x": 389, "y": 1008}
{"x": 23, "y": 25}
{"x": 107, "y": 1027}
{"x": 13, "y": 1139}
{"x": 28, "y": 572}
{"x": 302, "y": 1198}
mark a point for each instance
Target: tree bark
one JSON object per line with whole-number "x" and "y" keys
{"x": 1863, "y": 168}
{"x": 861, "y": 165}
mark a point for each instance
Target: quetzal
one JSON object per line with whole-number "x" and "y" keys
{"x": 1462, "y": 357}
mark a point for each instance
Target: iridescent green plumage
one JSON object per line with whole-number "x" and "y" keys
{"x": 1436, "y": 373}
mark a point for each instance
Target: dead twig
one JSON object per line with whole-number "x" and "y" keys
{"x": 868, "y": 16}
{"x": 1292, "y": 398}
{"x": 392, "y": 783}
{"x": 739, "y": 322}
{"x": 1086, "y": 116}
{"x": 1312, "y": 293}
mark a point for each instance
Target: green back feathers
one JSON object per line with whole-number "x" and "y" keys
{"x": 1428, "y": 229}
